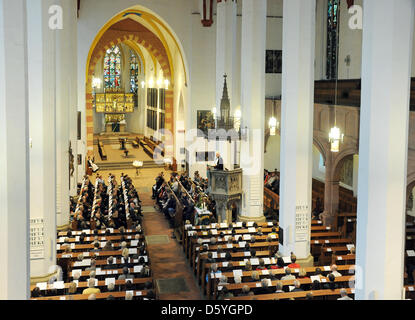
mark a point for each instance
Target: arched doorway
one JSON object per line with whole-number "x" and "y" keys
{"x": 161, "y": 73}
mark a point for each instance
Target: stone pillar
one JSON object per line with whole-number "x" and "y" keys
{"x": 386, "y": 71}
{"x": 297, "y": 126}
{"x": 331, "y": 192}
{"x": 65, "y": 108}
{"x": 226, "y": 51}
{"x": 14, "y": 159}
{"x": 254, "y": 30}
{"x": 42, "y": 124}
{"x": 72, "y": 39}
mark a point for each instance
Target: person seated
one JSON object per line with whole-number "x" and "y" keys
{"x": 288, "y": 275}
{"x": 110, "y": 264}
{"x": 297, "y": 286}
{"x": 280, "y": 264}
{"x": 316, "y": 285}
{"x": 293, "y": 264}
{"x": 125, "y": 274}
{"x": 91, "y": 287}
{"x": 223, "y": 281}
{"x": 334, "y": 271}
{"x": 245, "y": 291}
{"x": 108, "y": 246}
{"x": 261, "y": 265}
{"x": 110, "y": 287}
{"x": 343, "y": 295}
{"x": 279, "y": 287}
{"x": 332, "y": 285}
{"x": 36, "y": 292}
{"x": 92, "y": 266}
{"x": 225, "y": 294}
{"x": 265, "y": 289}
{"x": 254, "y": 276}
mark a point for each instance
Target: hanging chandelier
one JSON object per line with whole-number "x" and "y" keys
{"x": 273, "y": 124}
{"x": 335, "y": 135}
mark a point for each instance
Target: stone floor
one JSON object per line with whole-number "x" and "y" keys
{"x": 167, "y": 259}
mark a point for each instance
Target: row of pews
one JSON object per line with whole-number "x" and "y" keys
{"x": 152, "y": 146}
{"x": 226, "y": 250}
{"x": 101, "y": 150}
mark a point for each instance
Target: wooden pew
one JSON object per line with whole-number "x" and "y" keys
{"x": 101, "y": 283}
{"x": 101, "y": 150}
{"x": 326, "y": 293}
{"x": 99, "y": 296}
{"x": 234, "y": 287}
{"x": 136, "y": 142}
{"x": 246, "y": 275}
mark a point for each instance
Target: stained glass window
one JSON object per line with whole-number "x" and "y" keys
{"x": 112, "y": 68}
{"x": 133, "y": 72}
{"x": 332, "y": 37}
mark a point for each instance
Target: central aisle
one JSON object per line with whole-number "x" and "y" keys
{"x": 168, "y": 261}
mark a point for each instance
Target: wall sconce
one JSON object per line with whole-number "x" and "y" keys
{"x": 237, "y": 122}
{"x": 96, "y": 83}
{"x": 214, "y": 112}
{"x": 160, "y": 82}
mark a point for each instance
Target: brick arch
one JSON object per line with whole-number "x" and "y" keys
{"x": 160, "y": 56}
{"x": 122, "y": 31}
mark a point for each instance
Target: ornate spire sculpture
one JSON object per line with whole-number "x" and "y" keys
{"x": 225, "y": 105}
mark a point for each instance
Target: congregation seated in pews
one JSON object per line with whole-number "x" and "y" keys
{"x": 241, "y": 261}
{"x": 104, "y": 255}
{"x": 106, "y": 206}
{"x": 189, "y": 196}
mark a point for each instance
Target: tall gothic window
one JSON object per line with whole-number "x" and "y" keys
{"x": 133, "y": 72}
{"x": 333, "y": 14}
{"x": 112, "y": 68}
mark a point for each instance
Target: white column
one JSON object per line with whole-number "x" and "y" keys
{"x": 72, "y": 40}
{"x": 226, "y": 51}
{"x": 387, "y": 54}
{"x": 42, "y": 117}
{"x": 254, "y": 30}
{"x": 14, "y": 160}
{"x": 297, "y": 125}
{"x": 65, "y": 107}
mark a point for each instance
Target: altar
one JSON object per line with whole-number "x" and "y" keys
{"x": 114, "y": 105}
{"x": 115, "y": 127}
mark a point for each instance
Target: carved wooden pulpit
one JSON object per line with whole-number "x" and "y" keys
{"x": 225, "y": 187}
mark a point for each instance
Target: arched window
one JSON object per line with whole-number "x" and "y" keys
{"x": 333, "y": 14}
{"x": 133, "y": 72}
{"x": 112, "y": 68}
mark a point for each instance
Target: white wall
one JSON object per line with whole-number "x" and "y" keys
{"x": 272, "y": 154}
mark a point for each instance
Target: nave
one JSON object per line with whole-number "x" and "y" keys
{"x": 179, "y": 250}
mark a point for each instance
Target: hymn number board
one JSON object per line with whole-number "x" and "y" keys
{"x": 36, "y": 239}
{"x": 302, "y": 222}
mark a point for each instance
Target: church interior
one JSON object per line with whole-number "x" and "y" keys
{"x": 207, "y": 150}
